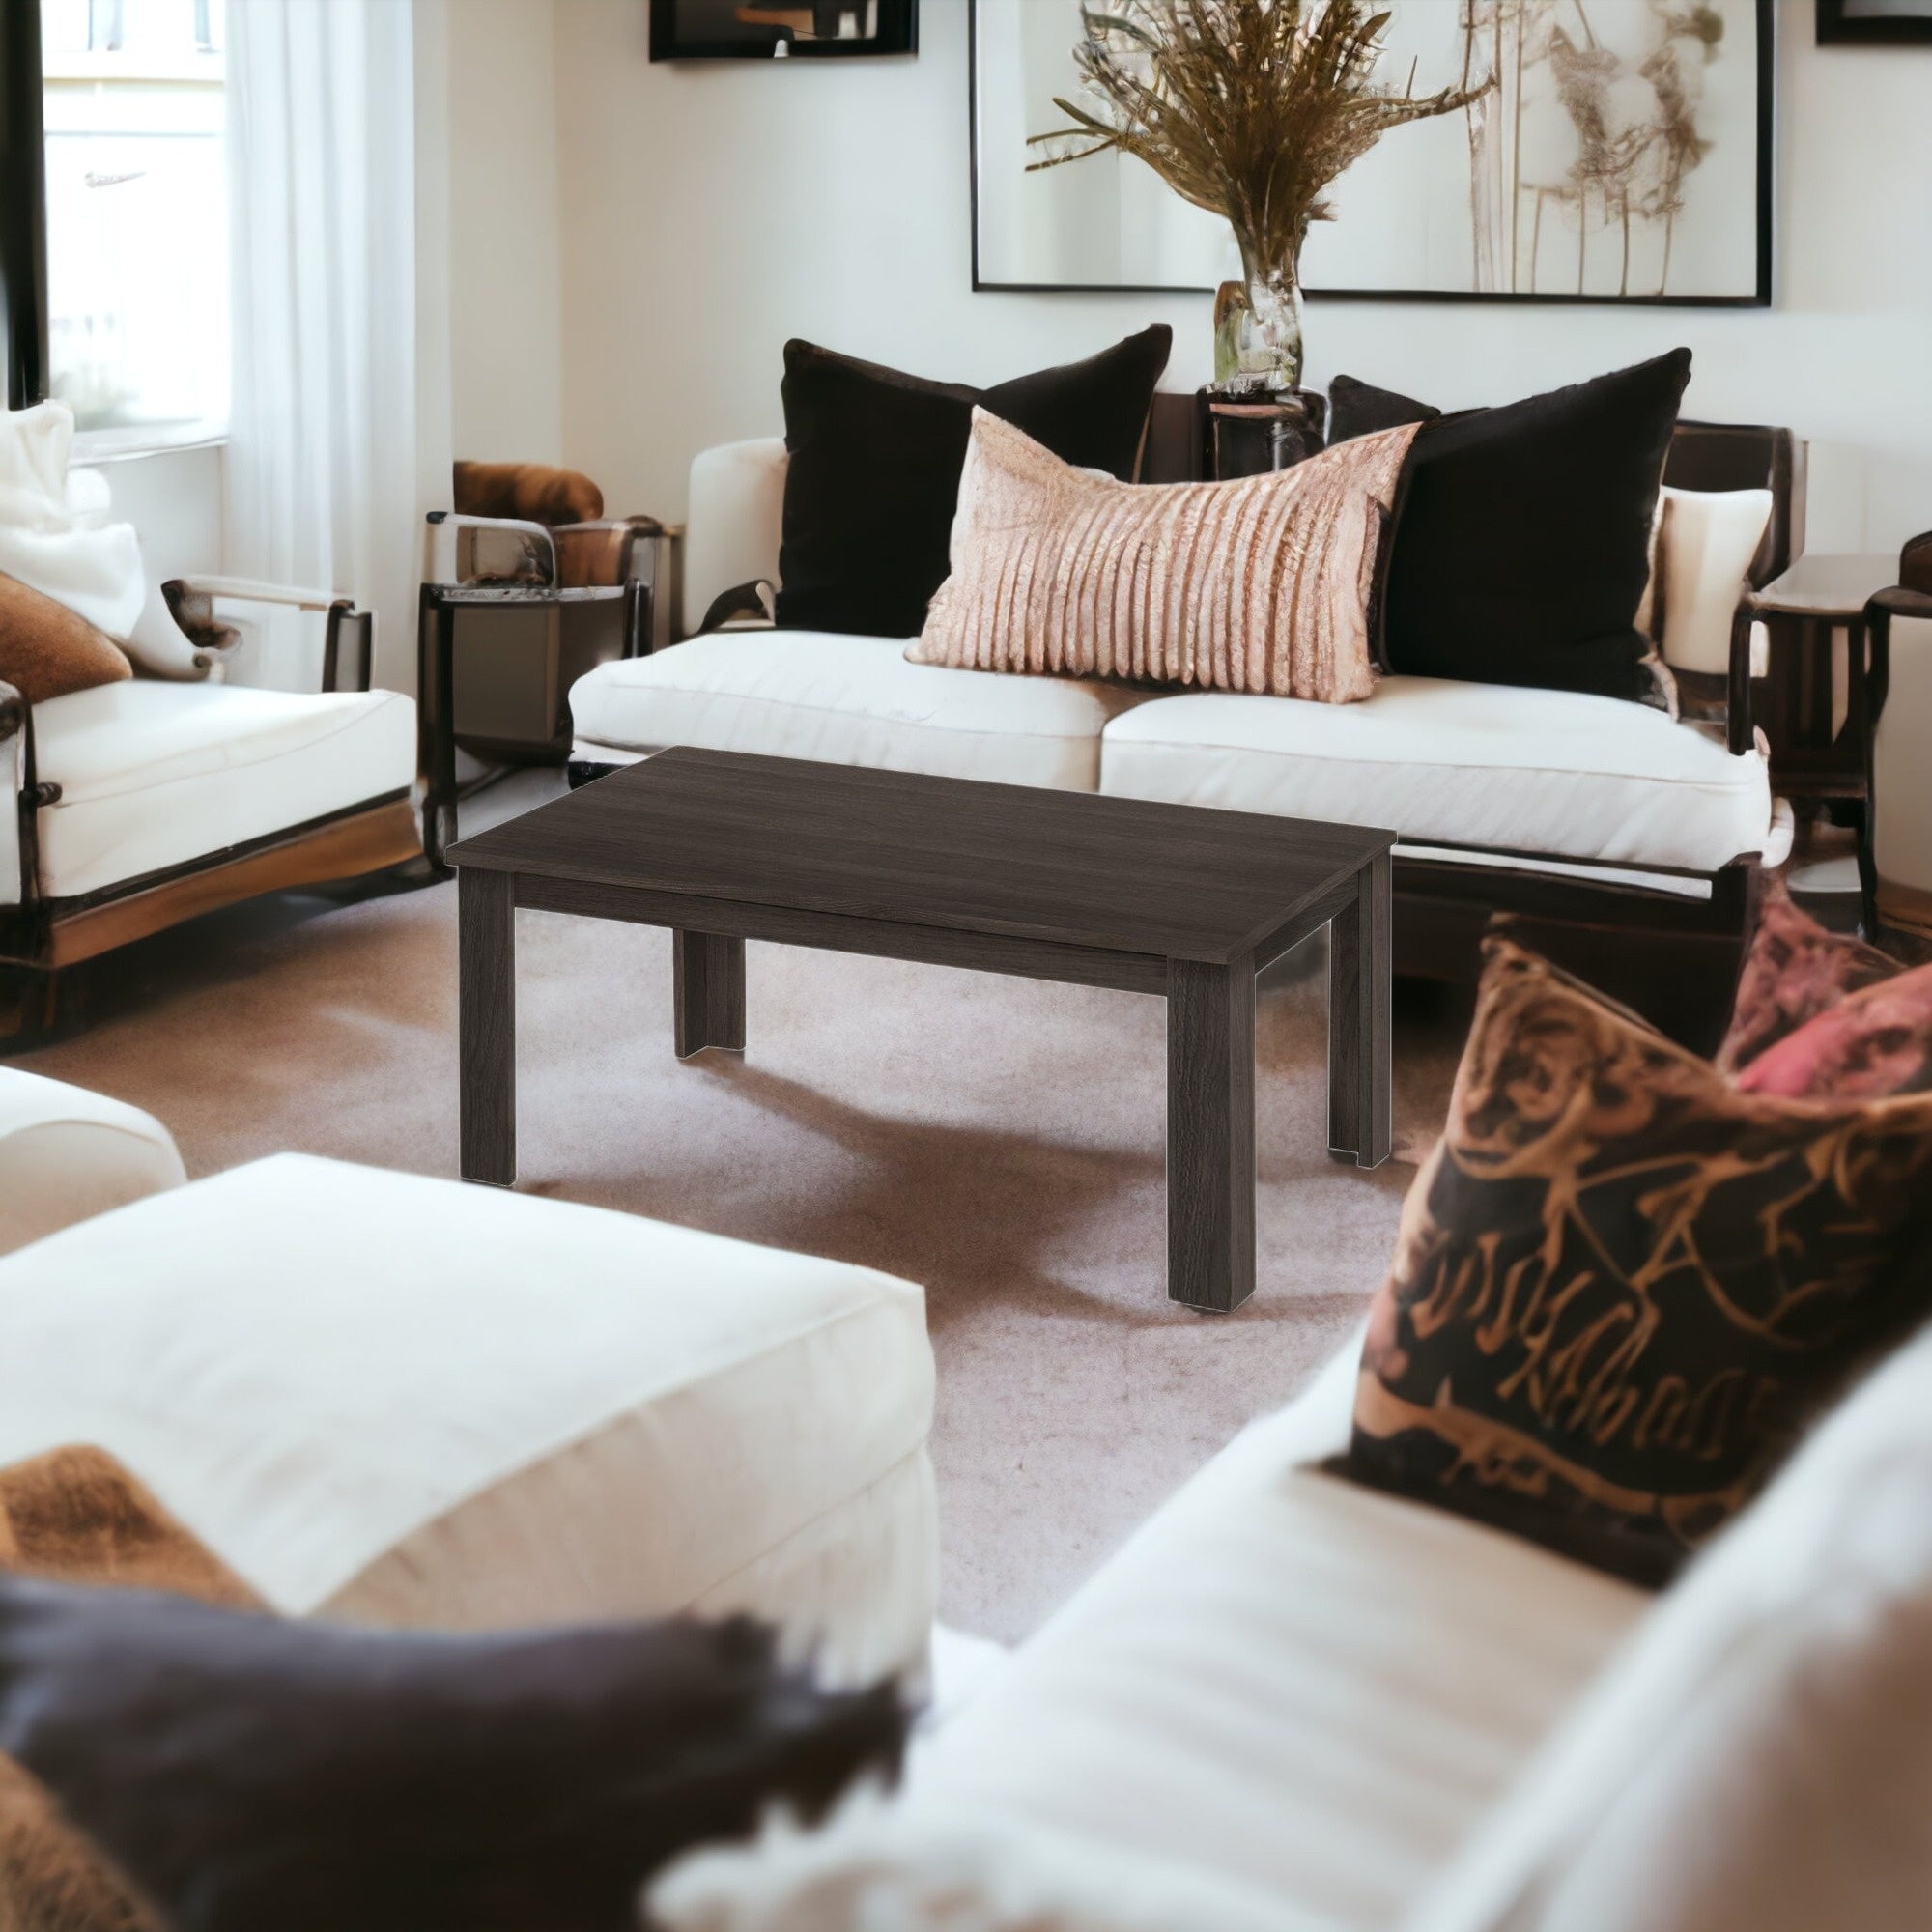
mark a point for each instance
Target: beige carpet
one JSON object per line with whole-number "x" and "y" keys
{"x": 999, "y": 1141}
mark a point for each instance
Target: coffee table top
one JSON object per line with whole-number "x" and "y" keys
{"x": 1183, "y": 882}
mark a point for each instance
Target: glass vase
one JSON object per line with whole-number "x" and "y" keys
{"x": 1258, "y": 334}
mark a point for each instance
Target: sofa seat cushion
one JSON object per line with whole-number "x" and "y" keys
{"x": 1443, "y": 762}
{"x": 850, "y": 701}
{"x": 416, "y": 1403}
{"x": 155, "y": 775}
{"x": 1295, "y": 1683}
{"x": 66, "y": 1154}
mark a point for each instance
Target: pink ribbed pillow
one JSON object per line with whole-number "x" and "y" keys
{"x": 1268, "y": 583}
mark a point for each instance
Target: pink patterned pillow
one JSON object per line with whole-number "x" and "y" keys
{"x": 1793, "y": 971}
{"x": 1871, "y": 1045}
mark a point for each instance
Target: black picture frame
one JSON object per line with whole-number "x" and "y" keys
{"x": 673, "y": 37}
{"x": 1760, "y": 297}
{"x": 1838, "y": 28}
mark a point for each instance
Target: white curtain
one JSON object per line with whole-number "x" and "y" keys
{"x": 337, "y": 444}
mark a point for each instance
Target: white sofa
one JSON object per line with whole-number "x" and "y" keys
{"x": 1550, "y": 782}
{"x": 412, "y": 1403}
{"x": 1290, "y": 1702}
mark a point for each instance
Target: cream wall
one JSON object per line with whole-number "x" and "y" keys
{"x": 712, "y": 210}
{"x": 505, "y": 279}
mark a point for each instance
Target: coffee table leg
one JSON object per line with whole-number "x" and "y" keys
{"x": 707, "y": 991}
{"x": 486, "y": 919}
{"x": 1359, "y": 1103}
{"x": 1210, "y": 1134}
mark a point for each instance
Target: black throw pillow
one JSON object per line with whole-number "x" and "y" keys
{"x": 1360, "y": 408}
{"x": 244, "y": 1773}
{"x": 876, "y": 460}
{"x": 1523, "y": 537}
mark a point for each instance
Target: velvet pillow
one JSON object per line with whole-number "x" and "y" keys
{"x": 246, "y": 1774}
{"x": 1522, "y": 544}
{"x": 48, "y": 650}
{"x": 873, "y": 476}
{"x": 1360, "y": 408}
{"x": 78, "y": 1516}
{"x": 1621, "y": 1286}
{"x": 1794, "y": 970}
{"x": 1265, "y": 583}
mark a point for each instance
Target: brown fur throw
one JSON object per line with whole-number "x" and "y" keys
{"x": 48, "y": 650}
{"x": 533, "y": 492}
{"x": 77, "y": 1515}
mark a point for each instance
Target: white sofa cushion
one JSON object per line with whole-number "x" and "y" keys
{"x": 1305, "y": 1687}
{"x": 1759, "y": 1756}
{"x": 66, "y": 1154}
{"x": 850, "y": 700}
{"x": 153, "y": 775}
{"x": 1708, "y": 540}
{"x": 915, "y": 1867}
{"x": 1442, "y": 762}
{"x": 413, "y": 1401}
{"x": 735, "y": 521}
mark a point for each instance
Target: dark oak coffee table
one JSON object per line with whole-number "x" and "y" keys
{"x": 1179, "y": 900}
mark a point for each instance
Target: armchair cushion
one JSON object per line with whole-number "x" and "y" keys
{"x": 155, "y": 775}
{"x": 48, "y": 650}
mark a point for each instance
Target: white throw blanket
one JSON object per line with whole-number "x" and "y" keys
{"x": 56, "y": 536}
{"x": 54, "y": 529}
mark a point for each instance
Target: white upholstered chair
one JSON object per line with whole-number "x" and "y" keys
{"x": 141, "y": 804}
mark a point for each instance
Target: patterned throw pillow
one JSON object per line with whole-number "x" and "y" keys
{"x": 1621, "y": 1284}
{"x": 1794, "y": 970}
{"x": 1266, "y": 584}
{"x": 1870, "y": 1045}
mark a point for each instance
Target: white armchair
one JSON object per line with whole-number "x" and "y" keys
{"x": 143, "y": 803}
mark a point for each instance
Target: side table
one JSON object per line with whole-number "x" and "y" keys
{"x": 1249, "y": 435}
{"x": 1819, "y": 758}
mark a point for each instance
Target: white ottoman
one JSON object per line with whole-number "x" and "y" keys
{"x": 412, "y": 1402}
{"x": 66, "y": 1153}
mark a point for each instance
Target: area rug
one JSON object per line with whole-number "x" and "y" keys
{"x": 998, "y": 1140}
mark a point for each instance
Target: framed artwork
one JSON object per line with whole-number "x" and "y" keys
{"x": 1623, "y": 155}
{"x": 782, "y": 29}
{"x": 1874, "y": 23}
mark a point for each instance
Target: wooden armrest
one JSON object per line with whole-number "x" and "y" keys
{"x": 193, "y": 601}
{"x": 1914, "y": 563}
{"x": 250, "y": 591}
{"x": 1902, "y": 601}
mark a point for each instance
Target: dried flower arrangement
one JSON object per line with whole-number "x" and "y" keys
{"x": 1248, "y": 108}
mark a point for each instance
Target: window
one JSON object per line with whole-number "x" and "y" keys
{"x": 136, "y": 215}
